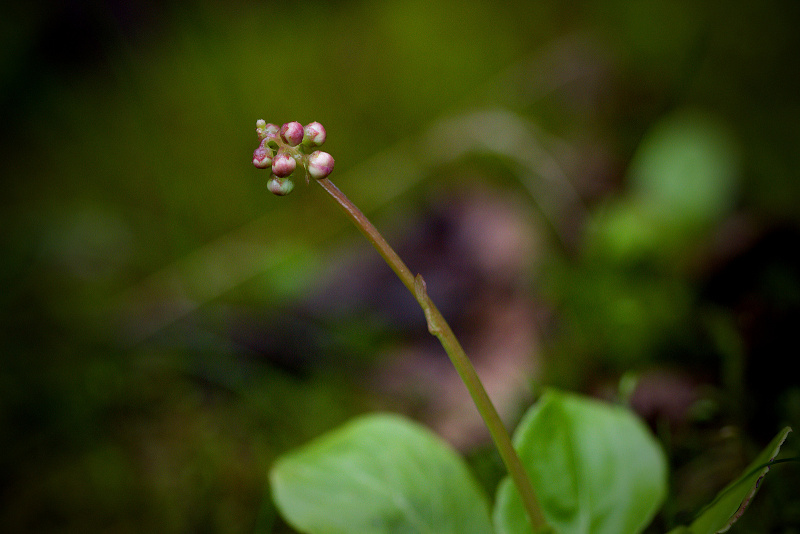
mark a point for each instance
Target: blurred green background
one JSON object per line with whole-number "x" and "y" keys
{"x": 601, "y": 195}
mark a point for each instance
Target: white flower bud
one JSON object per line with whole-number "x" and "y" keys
{"x": 314, "y": 134}
{"x": 283, "y": 165}
{"x": 292, "y": 133}
{"x": 261, "y": 157}
{"x": 280, "y": 186}
{"x": 320, "y": 164}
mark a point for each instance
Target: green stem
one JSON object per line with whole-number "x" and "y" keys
{"x": 438, "y": 326}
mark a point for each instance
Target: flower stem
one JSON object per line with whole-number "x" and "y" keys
{"x": 438, "y": 326}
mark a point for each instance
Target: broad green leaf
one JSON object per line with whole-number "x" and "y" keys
{"x": 595, "y": 468}
{"x": 731, "y": 502}
{"x": 683, "y": 177}
{"x": 379, "y": 474}
{"x": 686, "y": 169}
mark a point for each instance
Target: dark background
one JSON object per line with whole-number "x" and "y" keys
{"x": 602, "y": 196}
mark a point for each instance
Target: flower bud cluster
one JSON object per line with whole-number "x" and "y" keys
{"x": 282, "y": 149}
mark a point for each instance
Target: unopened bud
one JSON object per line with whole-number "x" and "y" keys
{"x": 314, "y": 135}
{"x": 283, "y": 165}
{"x": 320, "y": 164}
{"x": 262, "y": 157}
{"x": 292, "y": 133}
{"x": 280, "y": 186}
{"x": 265, "y": 129}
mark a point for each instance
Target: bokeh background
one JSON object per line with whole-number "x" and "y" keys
{"x": 602, "y": 196}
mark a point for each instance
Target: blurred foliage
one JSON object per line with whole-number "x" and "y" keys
{"x": 159, "y": 345}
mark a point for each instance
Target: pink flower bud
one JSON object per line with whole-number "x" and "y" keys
{"x": 314, "y": 134}
{"x": 292, "y": 133}
{"x": 265, "y": 129}
{"x": 320, "y": 164}
{"x": 280, "y": 186}
{"x": 262, "y": 157}
{"x": 283, "y": 165}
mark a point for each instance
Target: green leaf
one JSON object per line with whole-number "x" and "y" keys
{"x": 595, "y": 468}
{"x": 683, "y": 179}
{"x": 379, "y": 474}
{"x": 731, "y": 502}
{"x": 686, "y": 169}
